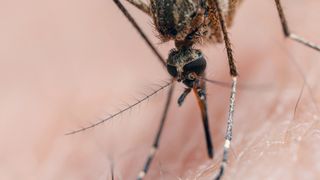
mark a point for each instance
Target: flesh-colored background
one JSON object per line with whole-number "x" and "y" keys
{"x": 66, "y": 64}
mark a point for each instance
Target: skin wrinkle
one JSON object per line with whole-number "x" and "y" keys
{"x": 62, "y": 69}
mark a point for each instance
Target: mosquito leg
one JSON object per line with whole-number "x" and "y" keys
{"x": 234, "y": 74}
{"x": 287, "y": 32}
{"x": 112, "y": 171}
{"x": 183, "y": 96}
{"x": 140, "y": 5}
{"x": 228, "y": 136}
{"x": 140, "y": 31}
{"x": 157, "y": 138}
{"x": 200, "y": 93}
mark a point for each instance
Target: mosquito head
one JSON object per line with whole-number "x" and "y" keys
{"x": 186, "y": 65}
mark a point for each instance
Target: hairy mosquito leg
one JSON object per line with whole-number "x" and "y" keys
{"x": 234, "y": 74}
{"x": 140, "y": 5}
{"x": 200, "y": 92}
{"x": 287, "y": 32}
{"x": 142, "y": 34}
{"x": 157, "y": 138}
{"x": 183, "y": 96}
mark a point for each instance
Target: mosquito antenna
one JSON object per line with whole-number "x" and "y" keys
{"x": 240, "y": 86}
{"x": 147, "y": 96}
{"x": 216, "y": 82}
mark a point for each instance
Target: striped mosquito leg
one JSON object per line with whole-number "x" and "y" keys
{"x": 157, "y": 138}
{"x": 234, "y": 74}
{"x": 228, "y": 136}
{"x": 287, "y": 32}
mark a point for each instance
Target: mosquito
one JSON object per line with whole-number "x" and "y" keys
{"x": 189, "y": 23}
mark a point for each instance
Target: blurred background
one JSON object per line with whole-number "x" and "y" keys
{"x": 67, "y": 64}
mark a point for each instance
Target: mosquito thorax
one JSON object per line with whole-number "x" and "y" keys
{"x": 186, "y": 64}
{"x": 175, "y": 20}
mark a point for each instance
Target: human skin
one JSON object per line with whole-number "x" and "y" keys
{"x": 67, "y": 64}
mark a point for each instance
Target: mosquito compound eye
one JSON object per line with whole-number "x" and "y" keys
{"x": 172, "y": 70}
{"x": 197, "y": 66}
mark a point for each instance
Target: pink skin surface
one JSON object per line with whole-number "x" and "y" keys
{"x": 66, "y": 64}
